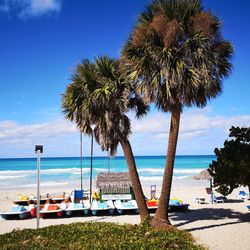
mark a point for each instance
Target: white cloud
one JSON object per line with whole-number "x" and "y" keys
{"x": 193, "y": 124}
{"x": 11, "y": 129}
{"x": 19, "y": 139}
{"x": 31, "y": 8}
{"x": 199, "y": 133}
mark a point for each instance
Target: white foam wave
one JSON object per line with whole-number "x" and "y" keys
{"x": 151, "y": 178}
{"x": 17, "y": 172}
{"x": 47, "y": 184}
{"x": 159, "y": 178}
{"x": 176, "y": 171}
{"x": 60, "y": 170}
{"x": 43, "y": 171}
{"x": 181, "y": 177}
{"x": 151, "y": 170}
{"x": 188, "y": 171}
{"x": 84, "y": 170}
{"x": 7, "y": 177}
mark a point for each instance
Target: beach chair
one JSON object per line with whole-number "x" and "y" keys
{"x": 200, "y": 200}
{"x": 242, "y": 195}
{"x": 216, "y": 199}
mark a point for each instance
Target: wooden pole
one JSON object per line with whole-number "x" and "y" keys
{"x": 81, "y": 156}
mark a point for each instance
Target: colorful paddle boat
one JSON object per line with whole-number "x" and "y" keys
{"x": 48, "y": 210}
{"x": 72, "y": 207}
{"x": 97, "y": 206}
{"x": 16, "y": 212}
{"x": 22, "y": 200}
{"x": 152, "y": 204}
{"x": 122, "y": 206}
{"x": 177, "y": 205}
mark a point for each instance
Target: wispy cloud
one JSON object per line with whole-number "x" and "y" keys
{"x": 200, "y": 133}
{"x": 30, "y": 8}
{"x": 193, "y": 124}
{"x": 10, "y": 130}
{"x": 18, "y": 140}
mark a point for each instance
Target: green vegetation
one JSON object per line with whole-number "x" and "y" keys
{"x": 232, "y": 166}
{"x": 175, "y": 57}
{"x": 97, "y": 236}
{"x": 178, "y": 58}
{"x": 100, "y": 96}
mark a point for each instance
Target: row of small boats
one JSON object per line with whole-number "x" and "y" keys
{"x": 25, "y": 207}
{"x": 59, "y": 209}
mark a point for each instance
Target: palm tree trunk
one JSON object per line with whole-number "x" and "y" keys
{"x": 161, "y": 216}
{"x": 135, "y": 181}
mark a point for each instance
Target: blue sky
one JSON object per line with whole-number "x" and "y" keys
{"x": 43, "y": 40}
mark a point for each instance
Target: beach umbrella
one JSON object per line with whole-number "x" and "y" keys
{"x": 205, "y": 175}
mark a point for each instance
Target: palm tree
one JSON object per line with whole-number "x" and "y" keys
{"x": 177, "y": 57}
{"x": 99, "y": 95}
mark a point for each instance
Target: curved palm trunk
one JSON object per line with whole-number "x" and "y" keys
{"x": 135, "y": 181}
{"x": 161, "y": 215}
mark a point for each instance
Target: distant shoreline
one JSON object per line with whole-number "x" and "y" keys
{"x": 102, "y": 157}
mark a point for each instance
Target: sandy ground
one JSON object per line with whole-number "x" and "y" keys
{"x": 217, "y": 226}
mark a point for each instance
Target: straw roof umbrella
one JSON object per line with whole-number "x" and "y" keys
{"x": 205, "y": 175}
{"x": 113, "y": 183}
{"x": 118, "y": 179}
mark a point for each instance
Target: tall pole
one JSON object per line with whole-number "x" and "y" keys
{"x": 81, "y": 156}
{"x": 38, "y": 150}
{"x": 38, "y": 190}
{"x": 91, "y": 166}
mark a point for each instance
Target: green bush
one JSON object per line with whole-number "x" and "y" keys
{"x": 97, "y": 236}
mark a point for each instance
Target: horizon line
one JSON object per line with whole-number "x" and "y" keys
{"x": 122, "y": 156}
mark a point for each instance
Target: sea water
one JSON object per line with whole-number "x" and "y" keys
{"x": 63, "y": 171}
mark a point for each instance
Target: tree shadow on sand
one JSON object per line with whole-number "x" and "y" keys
{"x": 210, "y": 214}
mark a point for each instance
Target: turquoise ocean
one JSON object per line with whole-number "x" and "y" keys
{"x": 60, "y": 171}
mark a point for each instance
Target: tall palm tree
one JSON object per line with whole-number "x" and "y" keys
{"x": 99, "y": 95}
{"x": 177, "y": 57}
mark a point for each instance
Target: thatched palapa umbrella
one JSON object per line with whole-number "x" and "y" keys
{"x": 205, "y": 175}
{"x": 113, "y": 183}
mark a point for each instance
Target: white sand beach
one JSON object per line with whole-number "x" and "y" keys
{"x": 217, "y": 226}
